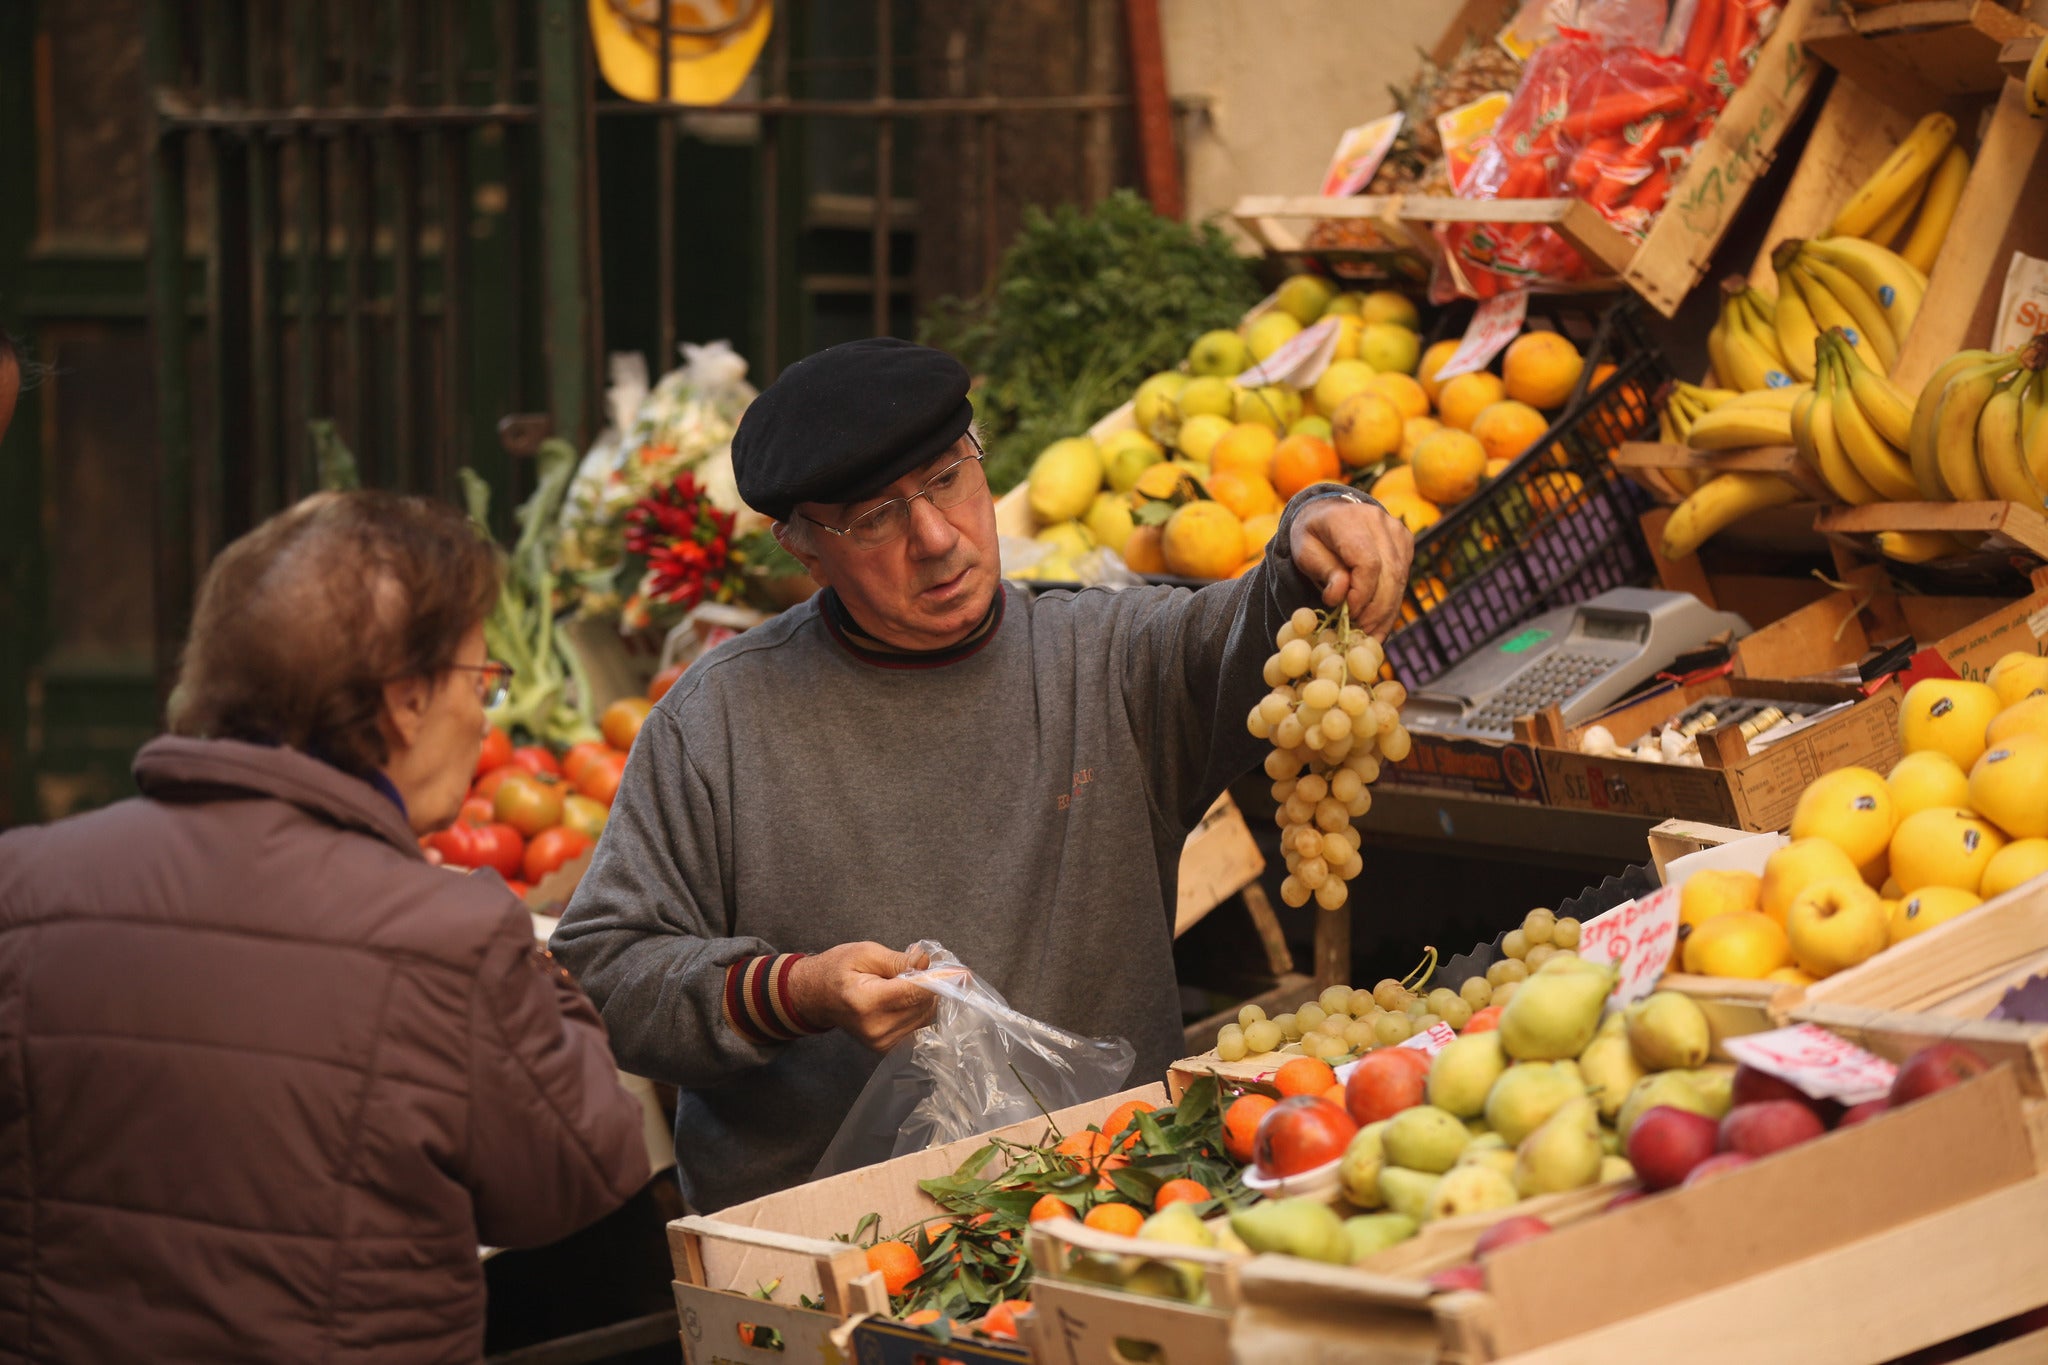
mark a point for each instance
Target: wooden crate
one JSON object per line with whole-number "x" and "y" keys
{"x": 1921, "y": 52}
{"x": 2017, "y": 526}
{"x": 1281, "y": 224}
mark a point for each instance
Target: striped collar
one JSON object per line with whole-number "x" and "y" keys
{"x": 869, "y": 650}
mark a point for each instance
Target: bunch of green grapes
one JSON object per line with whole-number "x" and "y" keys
{"x": 1342, "y": 1023}
{"x": 1331, "y": 722}
{"x": 1543, "y": 935}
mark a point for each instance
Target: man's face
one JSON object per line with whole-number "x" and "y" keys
{"x": 924, "y": 590}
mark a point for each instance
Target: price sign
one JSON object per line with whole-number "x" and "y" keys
{"x": 1495, "y": 323}
{"x": 1434, "y": 1039}
{"x": 1359, "y": 154}
{"x": 1639, "y": 937}
{"x": 1819, "y": 1063}
{"x": 1299, "y": 362}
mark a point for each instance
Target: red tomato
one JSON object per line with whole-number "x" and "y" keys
{"x": 518, "y": 887}
{"x": 487, "y": 786}
{"x": 601, "y": 781}
{"x": 536, "y": 759}
{"x": 529, "y": 802}
{"x": 551, "y": 848}
{"x": 664, "y": 680}
{"x": 456, "y": 844}
{"x": 622, "y": 720}
{"x": 499, "y": 847}
{"x": 584, "y": 815}
{"x": 497, "y": 751}
{"x": 476, "y": 810}
{"x": 582, "y": 756}
{"x": 1301, "y": 1134}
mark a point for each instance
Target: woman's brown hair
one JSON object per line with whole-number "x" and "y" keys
{"x": 301, "y": 622}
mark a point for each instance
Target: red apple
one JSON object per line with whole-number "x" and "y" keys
{"x": 1507, "y": 1232}
{"x": 1769, "y": 1126}
{"x": 1716, "y": 1165}
{"x": 1935, "y": 1068}
{"x": 1466, "y": 1276}
{"x": 1667, "y": 1143}
{"x": 1752, "y": 1086}
{"x": 1857, "y": 1113}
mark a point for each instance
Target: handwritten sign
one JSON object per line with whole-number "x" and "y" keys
{"x": 1639, "y": 937}
{"x": 1299, "y": 361}
{"x": 1359, "y": 154}
{"x": 1433, "y": 1040}
{"x": 1820, "y": 1063}
{"x": 1495, "y": 323}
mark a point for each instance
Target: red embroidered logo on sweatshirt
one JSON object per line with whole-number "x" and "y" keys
{"x": 1081, "y": 779}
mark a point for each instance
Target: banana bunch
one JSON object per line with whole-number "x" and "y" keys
{"x": 2037, "y": 82}
{"x": 1925, "y": 172}
{"x": 1757, "y": 417}
{"x": 1980, "y": 429}
{"x": 1743, "y": 342}
{"x": 1718, "y": 503}
{"x": 1686, "y": 404}
{"x": 1867, "y": 292}
{"x": 1852, "y": 428}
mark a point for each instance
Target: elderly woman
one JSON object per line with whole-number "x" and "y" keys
{"x": 267, "y": 1079}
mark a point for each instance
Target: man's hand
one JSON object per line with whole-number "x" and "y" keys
{"x": 853, "y": 987}
{"x": 1360, "y": 556}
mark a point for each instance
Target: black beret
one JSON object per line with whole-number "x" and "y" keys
{"x": 845, "y": 423}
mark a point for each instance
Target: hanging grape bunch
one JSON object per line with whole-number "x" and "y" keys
{"x": 1331, "y": 723}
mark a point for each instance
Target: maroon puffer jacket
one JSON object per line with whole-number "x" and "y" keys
{"x": 267, "y": 1078}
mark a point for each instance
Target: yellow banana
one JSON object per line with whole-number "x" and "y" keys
{"x": 1955, "y": 430}
{"x": 1999, "y": 456}
{"x": 1882, "y": 401}
{"x": 1880, "y": 464}
{"x": 1918, "y": 547}
{"x": 1717, "y": 348}
{"x": 1836, "y": 469}
{"x": 1738, "y": 428}
{"x": 1705, "y": 398}
{"x": 2037, "y": 82}
{"x": 2034, "y": 433}
{"x": 1749, "y": 365}
{"x": 1937, "y": 210}
{"x": 1830, "y": 316}
{"x": 1755, "y": 309}
{"x": 1897, "y": 178}
{"x": 1797, "y": 329}
{"x": 1920, "y": 443}
{"x": 1844, "y": 293}
{"x": 1895, "y": 282}
{"x": 1892, "y": 224}
{"x": 1802, "y": 430}
{"x": 1718, "y": 503}
{"x": 1779, "y": 399}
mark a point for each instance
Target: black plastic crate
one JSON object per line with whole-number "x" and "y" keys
{"x": 1558, "y": 526}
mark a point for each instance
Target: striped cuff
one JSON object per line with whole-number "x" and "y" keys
{"x": 758, "y": 1002}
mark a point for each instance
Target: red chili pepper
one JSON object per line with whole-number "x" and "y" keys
{"x": 1700, "y": 44}
{"x": 1611, "y": 113}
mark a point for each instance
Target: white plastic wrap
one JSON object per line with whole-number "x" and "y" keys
{"x": 978, "y": 1065}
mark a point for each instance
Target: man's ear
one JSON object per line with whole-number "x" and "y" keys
{"x": 798, "y": 543}
{"x": 405, "y": 711}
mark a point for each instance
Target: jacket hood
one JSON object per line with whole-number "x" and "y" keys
{"x": 172, "y": 768}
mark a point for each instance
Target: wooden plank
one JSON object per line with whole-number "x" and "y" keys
{"x": 1972, "y": 1264}
{"x": 2023, "y": 526}
{"x": 1923, "y": 51}
{"x": 1783, "y": 461}
{"x": 2015, "y": 58}
{"x": 1217, "y": 860}
{"x": 1963, "y": 289}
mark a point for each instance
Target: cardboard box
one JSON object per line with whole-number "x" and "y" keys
{"x": 1480, "y": 767}
{"x": 783, "y": 1239}
{"x": 1749, "y": 791}
{"x": 2010, "y": 627}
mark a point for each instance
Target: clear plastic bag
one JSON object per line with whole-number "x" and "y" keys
{"x": 978, "y": 1065}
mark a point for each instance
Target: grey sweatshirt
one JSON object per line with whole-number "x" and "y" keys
{"x": 1025, "y": 805}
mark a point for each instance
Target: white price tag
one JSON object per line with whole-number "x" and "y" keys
{"x": 1300, "y": 360}
{"x": 1359, "y": 154}
{"x": 1433, "y": 1040}
{"x": 1639, "y": 937}
{"x": 1819, "y": 1063}
{"x": 1495, "y": 323}
{"x": 2023, "y": 306}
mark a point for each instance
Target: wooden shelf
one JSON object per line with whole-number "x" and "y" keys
{"x": 2025, "y": 527}
{"x": 1644, "y": 459}
{"x": 1921, "y": 52}
{"x": 2017, "y": 56}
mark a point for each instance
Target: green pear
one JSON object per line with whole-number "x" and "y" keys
{"x": 1424, "y": 1138}
{"x": 1294, "y": 1227}
{"x": 1464, "y": 1071}
{"x": 1615, "y": 1168}
{"x": 1488, "y": 1141}
{"x": 1716, "y": 1084}
{"x": 1096, "y": 1267}
{"x": 1529, "y": 1093}
{"x": 1220, "y": 352}
{"x": 1471, "y": 1189}
{"x": 1165, "y": 1280}
{"x": 1668, "y": 1032}
{"x": 1564, "y": 1154}
{"x": 1359, "y": 1171}
{"x": 1371, "y": 1233}
{"x": 1674, "y": 1088}
{"x": 1408, "y": 1192}
{"x": 1554, "y": 1012}
{"x": 1178, "y": 1224}
{"x": 1610, "y": 1141}
{"x": 1500, "y": 1159}
{"x": 1611, "y": 1070}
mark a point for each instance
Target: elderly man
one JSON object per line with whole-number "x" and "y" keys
{"x": 919, "y": 752}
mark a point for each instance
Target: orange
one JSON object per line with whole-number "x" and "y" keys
{"x": 1434, "y": 359}
{"x": 1448, "y": 466}
{"x": 1112, "y": 1162}
{"x": 1087, "y": 1148}
{"x": 1365, "y": 429}
{"x": 1396, "y": 482}
{"x": 1246, "y": 448}
{"x": 1257, "y": 531}
{"x": 923, "y": 1317}
{"x": 1300, "y": 461}
{"x": 1304, "y": 1076}
{"x": 1413, "y": 430}
{"x": 1142, "y": 553}
{"x": 1416, "y": 513}
{"x": 1508, "y": 428}
{"x": 1335, "y": 1095}
{"x": 1121, "y": 1118}
{"x": 1484, "y": 1021}
{"x": 1463, "y": 398}
{"x": 1203, "y": 540}
{"x": 1121, "y": 1219}
{"x": 1746, "y": 944}
{"x": 1541, "y": 369}
{"x": 1404, "y": 393}
{"x": 1246, "y": 495}
{"x": 1049, "y": 1207}
{"x": 1002, "y": 1319}
{"x": 898, "y": 1263}
{"x": 1241, "y": 1124}
{"x": 1181, "y": 1191}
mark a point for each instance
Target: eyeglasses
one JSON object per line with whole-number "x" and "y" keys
{"x": 890, "y": 522}
{"x": 494, "y": 686}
